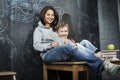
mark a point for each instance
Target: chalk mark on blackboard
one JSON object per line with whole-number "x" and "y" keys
{"x": 2, "y": 9}
{"x": 21, "y": 11}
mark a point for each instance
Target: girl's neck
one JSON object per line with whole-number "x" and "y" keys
{"x": 47, "y": 25}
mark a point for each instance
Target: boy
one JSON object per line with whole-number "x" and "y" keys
{"x": 62, "y": 30}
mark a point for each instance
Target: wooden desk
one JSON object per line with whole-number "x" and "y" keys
{"x": 8, "y": 73}
{"x": 74, "y": 67}
{"x": 115, "y": 61}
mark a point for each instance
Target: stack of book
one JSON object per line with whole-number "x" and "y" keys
{"x": 109, "y": 55}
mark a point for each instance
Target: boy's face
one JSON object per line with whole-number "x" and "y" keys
{"x": 63, "y": 32}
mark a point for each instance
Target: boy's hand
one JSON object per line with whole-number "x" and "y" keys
{"x": 66, "y": 41}
{"x": 73, "y": 40}
{"x": 54, "y": 44}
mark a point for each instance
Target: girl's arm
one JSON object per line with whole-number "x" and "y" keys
{"x": 37, "y": 41}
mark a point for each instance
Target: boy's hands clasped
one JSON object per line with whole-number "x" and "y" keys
{"x": 65, "y": 41}
{"x": 54, "y": 44}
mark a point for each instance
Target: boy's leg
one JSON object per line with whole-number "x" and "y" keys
{"x": 88, "y": 45}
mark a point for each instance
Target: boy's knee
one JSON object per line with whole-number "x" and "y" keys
{"x": 85, "y": 40}
{"x": 69, "y": 45}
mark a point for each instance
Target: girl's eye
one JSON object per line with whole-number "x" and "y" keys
{"x": 52, "y": 14}
{"x": 48, "y": 14}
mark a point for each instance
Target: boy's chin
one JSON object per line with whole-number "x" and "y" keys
{"x": 64, "y": 37}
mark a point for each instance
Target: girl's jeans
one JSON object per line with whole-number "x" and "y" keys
{"x": 67, "y": 51}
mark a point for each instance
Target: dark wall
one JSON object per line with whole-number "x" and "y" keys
{"x": 5, "y": 45}
{"x": 88, "y": 21}
{"x": 108, "y": 23}
{"x": 109, "y": 28}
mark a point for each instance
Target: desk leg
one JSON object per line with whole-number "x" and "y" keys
{"x": 45, "y": 72}
{"x": 87, "y": 72}
{"x": 75, "y": 72}
{"x": 14, "y": 77}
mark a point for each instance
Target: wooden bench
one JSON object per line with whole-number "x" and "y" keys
{"x": 7, "y": 74}
{"x": 74, "y": 67}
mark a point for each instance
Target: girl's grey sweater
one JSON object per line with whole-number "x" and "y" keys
{"x": 43, "y": 37}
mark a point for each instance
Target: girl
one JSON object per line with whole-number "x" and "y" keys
{"x": 48, "y": 43}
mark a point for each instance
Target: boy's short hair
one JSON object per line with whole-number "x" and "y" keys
{"x": 61, "y": 24}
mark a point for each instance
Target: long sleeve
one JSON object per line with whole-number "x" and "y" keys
{"x": 38, "y": 44}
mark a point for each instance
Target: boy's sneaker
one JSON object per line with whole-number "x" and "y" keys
{"x": 111, "y": 68}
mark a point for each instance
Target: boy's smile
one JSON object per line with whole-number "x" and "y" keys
{"x": 63, "y": 32}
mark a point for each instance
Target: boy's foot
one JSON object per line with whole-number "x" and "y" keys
{"x": 98, "y": 54}
{"x": 111, "y": 68}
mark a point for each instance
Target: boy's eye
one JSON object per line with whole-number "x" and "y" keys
{"x": 66, "y": 31}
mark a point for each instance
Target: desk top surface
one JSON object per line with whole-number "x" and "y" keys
{"x": 7, "y": 73}
{"x": 81, "y": 62}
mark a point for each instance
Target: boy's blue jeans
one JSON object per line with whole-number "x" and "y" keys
{"x": 86, "y": 44}
{"x": 67, "y": 51}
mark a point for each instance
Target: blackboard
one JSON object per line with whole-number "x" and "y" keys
{"x": 18, "y": 19}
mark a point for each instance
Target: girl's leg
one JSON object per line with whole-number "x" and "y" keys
{"x": 67, "y": 51}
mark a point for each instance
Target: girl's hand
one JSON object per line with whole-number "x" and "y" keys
{"x": 54, "y": 44}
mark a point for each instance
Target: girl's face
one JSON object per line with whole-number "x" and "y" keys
{"x": 49, "y": 17}
{"x": 63, "y": 32}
